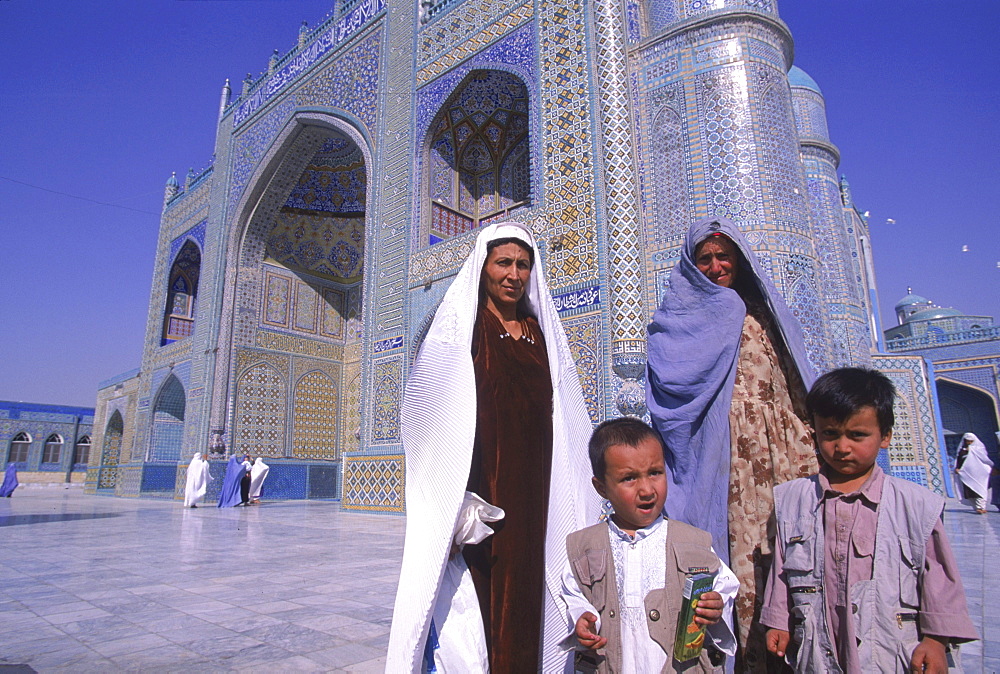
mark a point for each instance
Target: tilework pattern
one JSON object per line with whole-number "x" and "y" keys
{"x": 168, "y": 422}
{"x": 628, "y": 320}
{"x": 633, "y": 130}
{"x": 387, "y": 388}
{"x": 260, "y": 408}
{"x": 314, "y": 425}
{"x": 374, "y": 483}
{"x": 328, "y": 246}
{"x": 584, "y": 336}
{"x": 916, "y": 437}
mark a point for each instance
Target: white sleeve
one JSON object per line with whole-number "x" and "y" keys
{"x": 472, "y": 518}
{"x": 721, "y": 633}
{"x": 576, "y": 606}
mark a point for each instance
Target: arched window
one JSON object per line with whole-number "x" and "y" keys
{"x": 19, "y": 447}
{"x": 182, "y": 290}
{"x": 81, "y": 456}
{"x": 479, "y": 168}
{"x": 53, "y": 449}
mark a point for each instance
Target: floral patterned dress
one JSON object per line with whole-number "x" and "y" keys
{"x": 770, "y": 444}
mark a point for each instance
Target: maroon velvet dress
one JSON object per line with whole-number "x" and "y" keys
{"x": 511, "y": 464}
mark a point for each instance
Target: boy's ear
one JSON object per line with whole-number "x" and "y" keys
{"x": 599, "y": 487}
{"x": 886, "y": 439}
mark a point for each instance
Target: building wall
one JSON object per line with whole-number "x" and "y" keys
{"x": 40, "y": 422}
{"x": 641, "y": 118}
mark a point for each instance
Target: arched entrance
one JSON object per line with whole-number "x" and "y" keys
{"x": 111, "y": 451}
{"x": 966, "y": 409}
{"x": 167, "y": 437}
{"x": 297, "y": 315}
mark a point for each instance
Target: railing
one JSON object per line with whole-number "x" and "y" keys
{"x": 943, "y": 339}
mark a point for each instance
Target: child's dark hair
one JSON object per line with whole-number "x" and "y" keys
{"x": 840, "y": 393}
{"x": 622, "y": 431}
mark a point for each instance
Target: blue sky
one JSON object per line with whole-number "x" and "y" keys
{"x": 102, "y": 100}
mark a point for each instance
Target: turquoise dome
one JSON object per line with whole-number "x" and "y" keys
{"x": 797, "y": 77}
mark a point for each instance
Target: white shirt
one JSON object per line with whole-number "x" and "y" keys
{"x": 640, "y": 567}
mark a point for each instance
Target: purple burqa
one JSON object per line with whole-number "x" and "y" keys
{"x": 229, "y": 495}
{"x": 692, "y": 351}
{"x": 9, "y": 481}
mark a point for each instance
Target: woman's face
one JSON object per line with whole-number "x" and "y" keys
{"x": 506, "y": 274}
{"x": 717, "y": 259}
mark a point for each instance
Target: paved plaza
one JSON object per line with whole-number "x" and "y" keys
{"x": 92, "y": 583}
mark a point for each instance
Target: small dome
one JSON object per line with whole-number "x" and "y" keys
{"x": 910, "y": 300}
{"x": 797, "y": 77}
{"x": 172, "y": 180}
{"x": 932, "y": 313}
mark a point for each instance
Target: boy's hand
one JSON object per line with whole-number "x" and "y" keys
{"x": 777, "y": 642}
{"x": 709, "y": 609}
{"x": 929, "y": 656}
{"x": 585, "y": 632}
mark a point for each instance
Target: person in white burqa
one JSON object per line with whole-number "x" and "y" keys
{"x": 198, "y": 478}
{"x": 257, "y": 475}
{"x": 973, "y": 466}
{"x": 438, "y": 616}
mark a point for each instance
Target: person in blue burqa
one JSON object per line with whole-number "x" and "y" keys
{"x": 229, "y": 495}
{"x": 726, "y": 386}
{"x": 9, "y": 481}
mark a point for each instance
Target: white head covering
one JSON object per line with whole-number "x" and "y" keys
{"x": 438, "y": 422}
{"x": 975, "y": 471}
{"x": 257, "y": 475}
{"x": 197, "y": 480}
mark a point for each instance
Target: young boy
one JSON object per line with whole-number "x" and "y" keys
{"x": 625, "y": 578}
{"x": 863, "y": 578}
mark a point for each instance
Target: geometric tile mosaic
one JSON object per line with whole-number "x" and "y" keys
{"x": 314, "y": 420}
{"x": 373, "y": 483}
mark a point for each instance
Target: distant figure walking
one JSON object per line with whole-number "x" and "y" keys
{"x": 257, "y": 476}
{"x": 973, "y": 466}
{"x": 9, "y": 481}
{"x": 198, "y": 478}
{"x": 229, "y": 495}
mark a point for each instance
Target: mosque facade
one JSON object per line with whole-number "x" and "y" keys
{"x": 295, "y": 276}
{"x": 964, "y": 352}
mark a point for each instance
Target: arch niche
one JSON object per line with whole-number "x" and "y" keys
{"x": 967, "y": 409}
{"x": 167, "y": 437}
{"x": 296, "y": 339}
{"x": 111, "y": 451}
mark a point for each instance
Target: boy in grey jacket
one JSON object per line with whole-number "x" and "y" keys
{"x": 863, "y": 577}
{"x": 624, "y": 579}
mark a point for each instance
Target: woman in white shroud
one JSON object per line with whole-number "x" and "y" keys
{"x": 257, "y": 475}
{"x": 198, "y": 478}
{"x": 973, "y": 466}
{"x": 495, "y": 429}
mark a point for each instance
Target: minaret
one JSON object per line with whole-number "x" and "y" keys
{"x": 835, "y": 234}
{"x": 227, "y": 93}
{"x": 171, "y": 190}
{"x": 710, "y": 83}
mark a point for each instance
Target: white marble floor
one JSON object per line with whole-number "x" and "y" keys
{"x": 92, "y": 583}
{"x": 97, "y": 584}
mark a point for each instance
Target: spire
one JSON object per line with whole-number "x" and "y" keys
{"x": 272, "y": 63}
{"x": 303, "y": 34}
{"x": 845, "y": 192}
{"x": 171, "y": 189}
{"x": 247, "y": 83}
{"x": 189, "y": 178}
{"x": 227, "y": 93}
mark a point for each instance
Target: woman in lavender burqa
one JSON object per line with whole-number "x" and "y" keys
{"x": 10, "y": 482}
{"x": 726, "y": 385}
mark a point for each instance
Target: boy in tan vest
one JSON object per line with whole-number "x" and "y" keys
{"x": 624, "y": 581}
